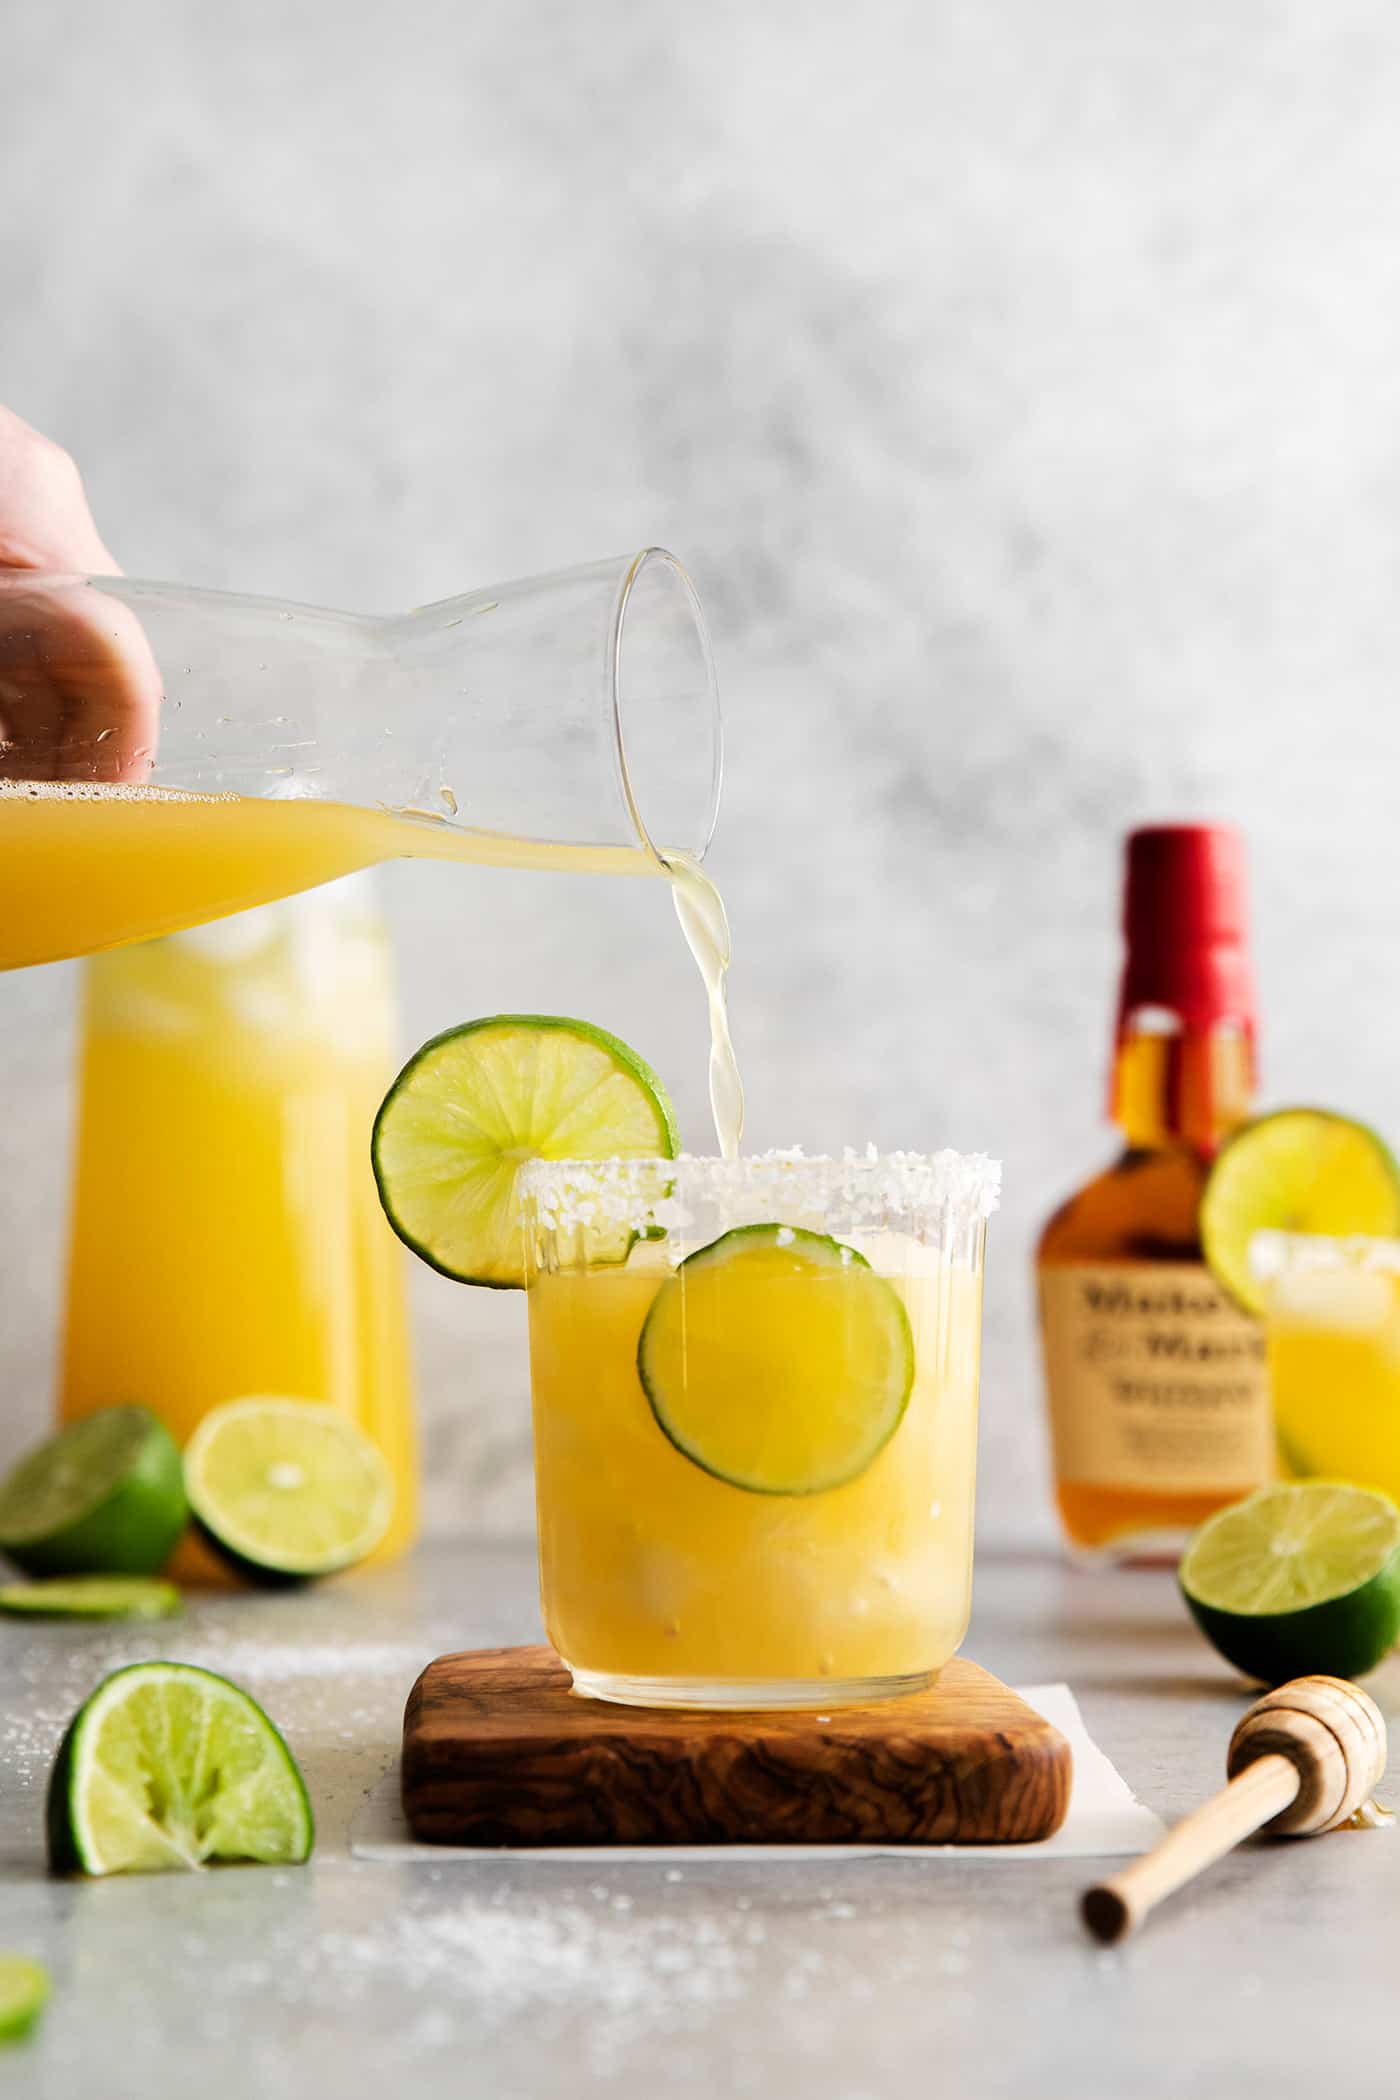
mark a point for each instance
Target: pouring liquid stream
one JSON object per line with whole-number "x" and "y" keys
{"x": 705, "y": 924}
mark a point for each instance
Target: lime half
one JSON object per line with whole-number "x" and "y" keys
{"x": 24, "y": 1992}
{"x": 778, "y": 1360}
{"x": 1300, "y": 1170}
{"x": 474, "y": 1104}
{"x": 105, "y": 1496}
{"x": 1299, "y": 1580}
{"x": 287, "y": 1489}
{"x": 168, "y": 1766}
{"x": 91, "y": 1597}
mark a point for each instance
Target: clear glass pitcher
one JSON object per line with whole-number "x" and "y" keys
{"x": 171, "y": 755}
{"x": 226, "y": 1235}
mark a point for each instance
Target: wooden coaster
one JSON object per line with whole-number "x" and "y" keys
{"x": 497, "y": 1750}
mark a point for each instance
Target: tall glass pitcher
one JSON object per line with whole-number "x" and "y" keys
{"x": 226, "y": 1235}
{"x": 169, "y": 755}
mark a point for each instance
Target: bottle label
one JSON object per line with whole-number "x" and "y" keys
{"x": 1156, "y": 1379}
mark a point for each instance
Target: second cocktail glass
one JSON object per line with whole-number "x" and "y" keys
{"x": 1332, "y": 1317}
{"x": 755, "y": 1405}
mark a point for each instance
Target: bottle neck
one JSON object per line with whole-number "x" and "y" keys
{"x": 1177, "y": 1086}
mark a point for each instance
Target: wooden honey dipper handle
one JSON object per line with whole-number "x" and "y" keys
{"x": 1304, "y": 1759}
{"x": 1266, "y": 1789}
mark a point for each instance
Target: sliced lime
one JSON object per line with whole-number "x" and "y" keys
{"x": 778, "y": 1360}
{"x": 1298, "y": 1580}
{"x": 474, "y": 1104}
{"x": 1299, "y": 1170}
{"x": 169, "y": 1766}
{"x": 24, "y": 1992}
{"x": 104, "y": 1496}
{"x": 287, "y": 1489}
{"x": 91, "y": 1597}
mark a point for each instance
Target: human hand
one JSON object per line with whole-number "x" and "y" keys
{"x": 79, "y": 688}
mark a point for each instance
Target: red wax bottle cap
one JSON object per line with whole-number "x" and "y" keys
{"x": 1186, "y": 927}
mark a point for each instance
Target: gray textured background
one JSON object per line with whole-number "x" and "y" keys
{"x": 1021, "y": 384}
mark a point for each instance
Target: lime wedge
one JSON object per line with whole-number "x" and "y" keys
{"x": 778, "y": 1360}
{"x": 1300, "y": 1170}
{"x": 24, "y": 1992}
{"x": 286, "y": 1490}
{"x": 105, "y": 1496}
{"x": 91, "y": 1597}
{"x": 474, "y": 1104}
{"x": 1298, "y": 1580}
{"x": 168, "y": 1766}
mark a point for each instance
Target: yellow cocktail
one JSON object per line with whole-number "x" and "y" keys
{"x": 227, "y": 1239}
{"x": 755, "y": 1438}
{"x": 84, "y": 868}
{"x": 1332, "y": 1311}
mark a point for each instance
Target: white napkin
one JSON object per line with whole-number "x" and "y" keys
{"x": 1104, "y": 1819}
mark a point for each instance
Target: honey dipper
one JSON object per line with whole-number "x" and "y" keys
{"x": 1304, "y": 1759}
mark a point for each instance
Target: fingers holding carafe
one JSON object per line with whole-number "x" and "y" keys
{"x": 80, "y": 690}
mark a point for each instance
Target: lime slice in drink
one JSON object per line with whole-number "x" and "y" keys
{"x": 24, "y": 1992}
{"x": 1299, "y": 1580}
{"x": 169, "y": 1766}
{"x": 105, "y": 1496}
{"x": 474, "y": 1104}
{"x": 1300, "y": 1170}
{"x": 778, "y": 1360}
{"x": 286, "y": 1490}
{"x": 91, "y": 1597}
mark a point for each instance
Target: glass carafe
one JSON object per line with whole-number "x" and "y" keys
{"x": 171, "y": 755}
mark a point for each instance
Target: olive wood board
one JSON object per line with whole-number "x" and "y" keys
{"x": 498, "y": 1750}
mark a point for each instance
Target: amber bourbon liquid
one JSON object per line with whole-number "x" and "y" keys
{"x": 1157, "y": 1384}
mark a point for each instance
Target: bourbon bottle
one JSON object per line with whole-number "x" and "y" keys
{"x": 1157, "y": 1386}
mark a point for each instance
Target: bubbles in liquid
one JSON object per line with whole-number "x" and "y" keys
{"x": 103, "y": 791}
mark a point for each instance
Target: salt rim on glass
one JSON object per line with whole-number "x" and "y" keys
{"x": 928, "y": 1196}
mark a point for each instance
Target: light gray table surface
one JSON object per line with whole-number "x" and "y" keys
{"x": 1277, "y": 1975}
